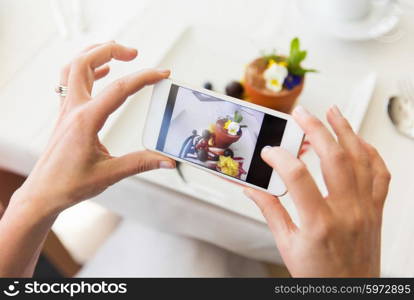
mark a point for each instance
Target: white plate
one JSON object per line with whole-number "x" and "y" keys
{"x": 383, "y": 18}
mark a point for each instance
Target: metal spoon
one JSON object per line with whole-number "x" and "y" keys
{"x": 401, "y": 113}
{"x": 401, "y": 108}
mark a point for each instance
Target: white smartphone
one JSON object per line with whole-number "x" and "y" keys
{"x": 219, "y": 134}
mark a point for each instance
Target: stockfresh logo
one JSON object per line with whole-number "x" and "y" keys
{"x": 12, "y": 290}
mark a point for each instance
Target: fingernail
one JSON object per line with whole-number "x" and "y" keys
{"x": 135, "y": 50}
{"x": 166, "y": 165}
{"x": 335, "y": 110}
{"x": 300, "y": 111}
{"x": 266, "y": 149}
{"x": 163, "y": 70}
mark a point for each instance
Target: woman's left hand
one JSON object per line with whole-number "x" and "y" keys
{"x": 75, "y": 165}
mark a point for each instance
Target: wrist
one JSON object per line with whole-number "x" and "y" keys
{"x": 23, "y": 227}
{"x": 34, "y": 206}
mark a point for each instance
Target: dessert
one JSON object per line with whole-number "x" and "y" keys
{"x": 212, "y": 148}
{"x": 276, "y": 81}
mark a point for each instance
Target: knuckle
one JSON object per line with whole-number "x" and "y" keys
{"x": 324, "y": 229}
{"x": 149, "y": 75}
{"x": 314, "y": 124}
{"x": 346, "y": 126}
{"x": 145, "y": 165}
{"x": 363, "y": 160}
{"x": 357, "y": 221}
{"x": 361, "y": 155}
{"x": 297, "y": 171}
{"x": 80, "y": 61}
{"x": 385, "y": 175}
{"x": 266, "y": 210}
{"x": 371, "y": 148}
{"x": 338, "y": 156}
{"x": 109, "y": 45}
{"x": 148, "y": 71}
{"x": 79, "y": 118}
{"x": 119, "y": 86}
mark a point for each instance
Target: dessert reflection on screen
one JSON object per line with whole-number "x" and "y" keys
{"x": 216, "y": 134}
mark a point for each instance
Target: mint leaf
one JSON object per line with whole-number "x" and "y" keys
{"x": 295, "y": 59}
{"x": 237, "y": 117}
{"x": 294, "y": 45}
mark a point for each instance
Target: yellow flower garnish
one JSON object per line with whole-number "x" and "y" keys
{"x": 283, "y": 64}
{"x": 226, "y": 125}
{"x": 274, "y": 82}
{"x": 271, "y": 63}
{"x": 228, "y": 166}
{"x": 274, "y": 77}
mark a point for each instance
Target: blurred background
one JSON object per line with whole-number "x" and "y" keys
{"x": 188, "y": 223}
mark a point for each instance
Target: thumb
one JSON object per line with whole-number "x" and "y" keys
{"x": 277, "y": 217}
{"x": 137, "y": 162}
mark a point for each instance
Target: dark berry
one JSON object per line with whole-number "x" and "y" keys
{"x": 206, "y": 134}
{"x": 228, "y": 152}
{"x": 208, "y": 85}
{"x": 235, "y": 89}
{"x": 202, "y": 154}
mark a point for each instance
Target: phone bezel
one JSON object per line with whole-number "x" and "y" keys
{"x": 292, "y": 138}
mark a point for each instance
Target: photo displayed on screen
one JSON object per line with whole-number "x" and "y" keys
{"x": 219, "y": 135}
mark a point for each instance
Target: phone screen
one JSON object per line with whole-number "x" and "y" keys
{"x": 219, "y": 135}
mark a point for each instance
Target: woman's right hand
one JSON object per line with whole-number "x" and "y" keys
{"x": 339, "y": 235}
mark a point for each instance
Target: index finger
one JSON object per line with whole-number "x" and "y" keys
{"x": 117, "y": 92}
{"x": 300, "y": 184}
{"x": 334, "y": 160}
{"x": 81, "y": 77}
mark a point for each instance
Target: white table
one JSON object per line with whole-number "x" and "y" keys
{"x": 28, "y": 107}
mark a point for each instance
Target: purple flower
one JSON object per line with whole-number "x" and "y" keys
{"x": 291, "y": 81}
